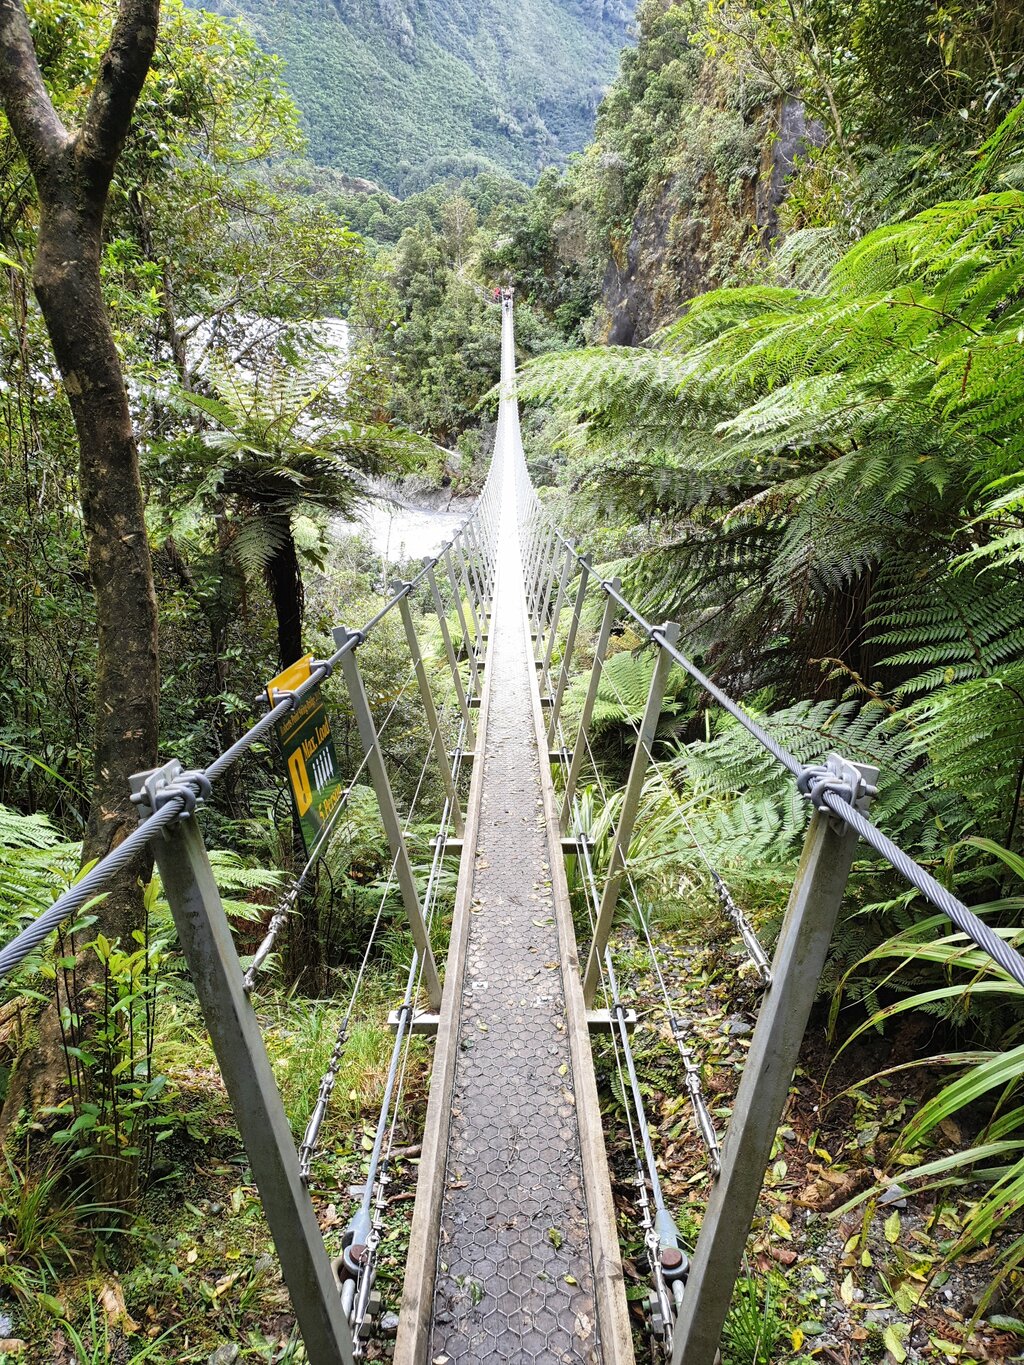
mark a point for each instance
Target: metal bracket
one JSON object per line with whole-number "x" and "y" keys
{"x": 425, "y": 1023}
{"x": 154, "y": 789}
{"x": 854, "y": 783}
{"x": 604, "y": 1021}
{"x": 449, "y": 847}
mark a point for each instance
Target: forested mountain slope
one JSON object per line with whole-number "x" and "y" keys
{"x": 405, "y": 90}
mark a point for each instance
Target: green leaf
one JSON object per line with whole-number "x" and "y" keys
{"x": 892, "y": 1340}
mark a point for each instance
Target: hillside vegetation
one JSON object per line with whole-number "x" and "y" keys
{"x": 403, "y": 91}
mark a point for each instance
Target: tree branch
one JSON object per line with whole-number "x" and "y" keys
{"x": 122, "y": 73}
{"x": 29, "y": 111}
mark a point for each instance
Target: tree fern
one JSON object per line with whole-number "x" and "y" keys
{"x": 836, "y": 470}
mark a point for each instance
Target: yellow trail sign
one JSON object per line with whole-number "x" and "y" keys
{"x": 308, "y": 750}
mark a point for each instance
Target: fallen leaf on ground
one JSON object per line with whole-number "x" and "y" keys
{"x": 111, "y": 1298}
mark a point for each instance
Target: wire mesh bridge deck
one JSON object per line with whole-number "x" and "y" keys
{"x": 514, "y": 1249}
{"x": 514, "y": 1260}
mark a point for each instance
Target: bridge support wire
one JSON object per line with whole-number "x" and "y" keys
{"x": 627, "y": 816}
{"x": 389, "y": 815}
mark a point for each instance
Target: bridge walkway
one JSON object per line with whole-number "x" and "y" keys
{"x": 514, "y": 1275}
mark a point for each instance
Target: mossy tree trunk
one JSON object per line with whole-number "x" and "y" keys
{"x": 73, "y": 169}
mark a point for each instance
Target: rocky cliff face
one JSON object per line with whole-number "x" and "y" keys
{"x": 691, "y": 232}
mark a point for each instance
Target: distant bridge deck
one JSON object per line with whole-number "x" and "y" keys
{"x": 502, "y": 1266}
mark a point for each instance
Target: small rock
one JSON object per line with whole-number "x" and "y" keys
{"x": 12, "y": 1346}
{"x": 265, "y": 1265}
{"x": 738, "y": 1028}
{"x": 388, "y": 1325}
{"x": 225, "y": 1355}
{"x": 216, "y": 1208}
{"x": 7, "y": 1326}
{"x": 894, "y": 1197}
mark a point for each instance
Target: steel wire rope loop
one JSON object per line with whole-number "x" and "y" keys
{"x": 288, "y": 902}
{"x": 702, "y": 1115}
{"x": 656, "y": 1240}
{"x": 610, "y": 989}
{"x": 1011, "y": 961}
{"x": 691, "y": 1070}
{"x": 308, "y": 1146}
{"x": 362, "y": 1271}
{"x": 606, "y": 970}
{"x": 777, "y": 750}
{"x": 615, "y": 1008}
{"x": 624, "y": 1056}
{"x": 363, "y": 1223}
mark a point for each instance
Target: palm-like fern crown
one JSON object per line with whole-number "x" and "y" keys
{"x": 833, "y": 468}
{"x": 287, "y": 440}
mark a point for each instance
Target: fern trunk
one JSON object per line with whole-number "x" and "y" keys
{"x": 284, "y": 578}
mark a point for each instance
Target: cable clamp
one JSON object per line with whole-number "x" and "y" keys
{"x": 153, "y": 790}
{"x": 324, "y": 664}
{"x": 282, "y": 694}
{"x": 346, "y": 639}
{"x": 851, "y": 782}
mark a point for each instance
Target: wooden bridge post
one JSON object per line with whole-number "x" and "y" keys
{"x": 627, "y": 815}
{"x": 437, "y": 743}
{"x": 449, "y": 649}
{"x": 764, "y": 1086}
{"x": 580, "y": 747}
{"x": 570, "y": 645}
{"x": 209, "y": 949}
{"x": 389, "y": 816}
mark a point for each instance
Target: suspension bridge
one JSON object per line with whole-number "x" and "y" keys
{"x": 514, "y": 1251}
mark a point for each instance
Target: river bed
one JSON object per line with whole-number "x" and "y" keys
{"x": 399, "y": 533}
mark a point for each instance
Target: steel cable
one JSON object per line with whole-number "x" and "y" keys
{"x": 97, "y": 879}
{"x": 702, "y": 1114}
{"x": 743, "y": 927}
{"x": 1003, "y": 954}
{"x": 308, "y": 1145}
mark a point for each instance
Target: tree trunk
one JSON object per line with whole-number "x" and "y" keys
{"x": 73, "y": 173}
{"x": 67, "y": 284}
{"x": 284, "y": 578}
